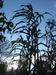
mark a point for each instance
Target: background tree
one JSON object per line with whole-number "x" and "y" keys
{"x": 3, "y": 68}
{"x": 4, "y": 23}
{"x": 51, "y": 41}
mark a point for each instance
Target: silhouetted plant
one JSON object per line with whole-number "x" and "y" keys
{"x": 30, "y": 28}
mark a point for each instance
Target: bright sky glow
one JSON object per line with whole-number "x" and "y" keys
{"x": 14, "y": 66}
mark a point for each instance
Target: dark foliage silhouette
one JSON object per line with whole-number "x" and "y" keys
{"x": 31, "y": 60}
{"x": 3, "y": 68}
{"x": 4, "y": 23}
{"x": 30, "y": 45}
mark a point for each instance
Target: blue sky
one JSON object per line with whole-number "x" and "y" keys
{"x": 38, "y": 5}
